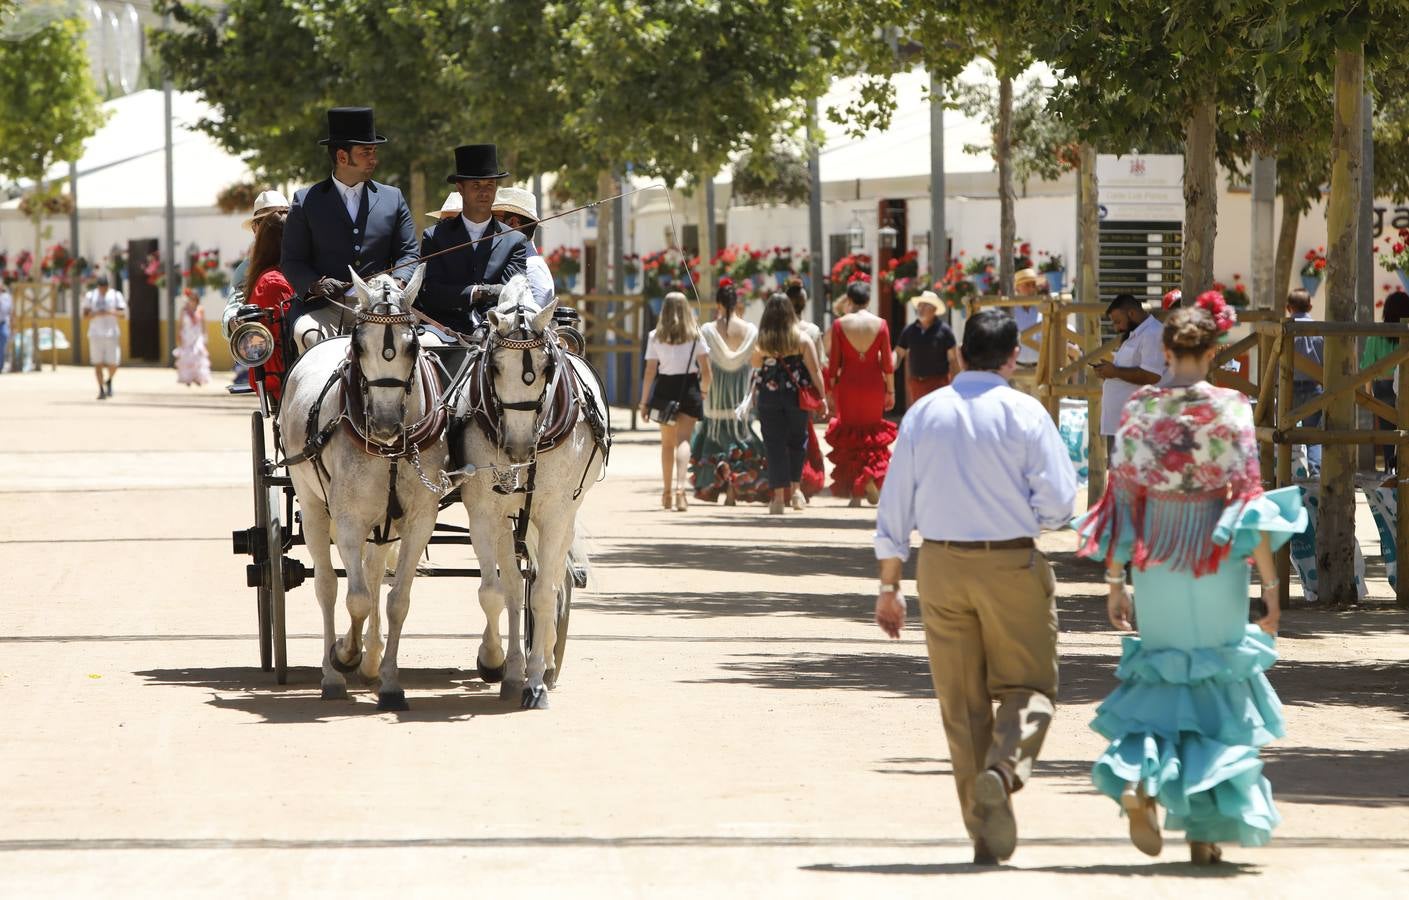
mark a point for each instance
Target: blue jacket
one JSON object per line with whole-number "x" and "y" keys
{"x": 321, "y": 240}
{"x": 445, "y": 295}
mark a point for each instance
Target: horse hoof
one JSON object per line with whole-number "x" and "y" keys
{"x": 334, "y": 692}
{"x": 510, "y": 689}
{"x": 392, "y": 701}
{"x": 550, "y": 679}
{"x": 534, "y": 698}
{"x": 490, "y": 675}
{"x": 346, "y": 668}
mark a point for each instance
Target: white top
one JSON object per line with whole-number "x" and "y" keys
{"x": 1026, "y": 317}
{"x": 1144, "y": 349}
{"x": 540, "y": 280}
{"x": 351, "y": 197}
{"x": 1014, "y": 478}
{"x": 108, "y": 308}
{"x": 675, "y": 359}
{"x": 476, "y": 229}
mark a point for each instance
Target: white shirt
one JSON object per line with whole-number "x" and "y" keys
{"x": 1143, "y": 349}
{"x": 975, "y": 461}
{"x": 351, "y": 197}
{"x": 1026, "y": 317}
{"x": 7, "y": 307}
{"x": 540, "y": 280}
{"x": 476, "y": 229}
{"x": 109, "y": 307}
{"x": 676, "y": 359}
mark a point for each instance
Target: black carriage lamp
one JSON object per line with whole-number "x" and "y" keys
{"x": 855, "y": 234}
{"x": 251, "y": 343}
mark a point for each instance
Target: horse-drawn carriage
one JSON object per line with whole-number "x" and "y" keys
{"x": 375, "y": 434}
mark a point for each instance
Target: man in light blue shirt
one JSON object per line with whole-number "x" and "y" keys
{"x": 980, "y": 470}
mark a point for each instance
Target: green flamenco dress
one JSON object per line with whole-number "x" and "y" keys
{"x": 1194, "y": 703}
{"x": 725, "y": 449}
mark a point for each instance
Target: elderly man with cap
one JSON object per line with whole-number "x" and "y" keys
{"x": 346, "y": 221}
{"x": 928, "y": 349}
{"x": 461, "y": 285}
{"x": 518, "y": 209}
{"x": 266, "y": 203}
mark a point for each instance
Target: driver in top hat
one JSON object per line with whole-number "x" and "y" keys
{"x": 462, "y": 285}
{"x": 345, "y": 221}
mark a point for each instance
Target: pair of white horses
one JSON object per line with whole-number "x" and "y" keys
{"x": 349, "y": 498}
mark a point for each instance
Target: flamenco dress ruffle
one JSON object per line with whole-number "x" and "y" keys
{"x": 859, "y": 452}
{"x": 814, "y": 475}
{"x": 714, "y": 463}
{"x": 1194, "y": 703}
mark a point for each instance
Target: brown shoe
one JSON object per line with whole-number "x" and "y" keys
{"x": 983, "y": 856}
{"x": 998, "y": 828}
{"x": 1143, "y": 813}
{"x": 1204, "y": 853}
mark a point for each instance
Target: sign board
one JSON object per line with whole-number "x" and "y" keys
{"x": 1141, "y": 188}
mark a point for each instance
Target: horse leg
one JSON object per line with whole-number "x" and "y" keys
{"x": 554, "y": 539}
{"x": 374, "y": 569}
{"x": 345, "y": 654}
{"x": 415, "y": 534}
{"x": 513, "y": 585}
{"x": 316, "y": 524}
{"x": 489, "y": 660}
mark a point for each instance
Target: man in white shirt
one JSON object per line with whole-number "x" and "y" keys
{"x": 518, "y": 209}
{"x": 104, "y": 309}
{"x": 1139, "y": 361}
{"x": 980, "y": 470}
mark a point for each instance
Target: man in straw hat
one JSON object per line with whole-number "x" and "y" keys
{"x": 461, "y": 285}
{"x": 266, "y": 203}
{"x": 1026, "y": 284}
{"x": 927, "y": 347}
{"x": 346, "y": 221}
{"x": 518, "y": 209}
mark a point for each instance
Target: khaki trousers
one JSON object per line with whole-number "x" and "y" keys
{"x": 990, "y": 620}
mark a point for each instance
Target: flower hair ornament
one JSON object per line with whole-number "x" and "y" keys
{"x": 1172, "y": 298}
{"x": 726, "y": 281}
{"x": 1223, "y": 315}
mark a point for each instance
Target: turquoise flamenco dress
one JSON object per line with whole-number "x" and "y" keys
{"x": 1185, "y": 507}
{"x": 725, "y": 449}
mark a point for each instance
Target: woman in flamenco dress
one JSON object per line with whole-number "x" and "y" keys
{"x": 727, "y": 455}
{"x": 861, "y": 383}
{"x": 1185, "y": 508}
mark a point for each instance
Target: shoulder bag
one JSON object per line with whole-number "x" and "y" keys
{"x": 666, "y": 415}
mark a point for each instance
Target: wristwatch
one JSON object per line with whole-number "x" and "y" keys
{"x": 889, "y": 587}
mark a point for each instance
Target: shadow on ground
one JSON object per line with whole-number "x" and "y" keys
{"x": 1163, "y": 869}
{"x": 435, "y": 695}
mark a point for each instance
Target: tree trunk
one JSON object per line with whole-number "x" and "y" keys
{"x": 418, "y": 201}
{"x": 1335, "y": 526}
{"x": 705, "y": 288}
{"x": 606, "y": 187}
{"x": 1200, "y": 198}
{"x": 1007, "y": 227}
{"x": 1088, "y": 290}
{"x": 1286, "y": 250}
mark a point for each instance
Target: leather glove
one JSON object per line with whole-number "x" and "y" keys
{"x": 482, "y": 292}
{"x": 329, "y": 288}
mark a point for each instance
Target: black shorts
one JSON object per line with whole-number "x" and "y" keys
{"x": 682, "y": 388}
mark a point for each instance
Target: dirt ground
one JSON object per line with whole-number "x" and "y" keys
{"x": 728, "y": 723}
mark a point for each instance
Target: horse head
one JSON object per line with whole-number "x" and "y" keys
{"x": 522, "y": 355}
{"x": 385, "y": 351}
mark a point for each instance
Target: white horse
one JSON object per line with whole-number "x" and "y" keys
{"x": 362, "y": 426}
{"x": 530, "y": 408}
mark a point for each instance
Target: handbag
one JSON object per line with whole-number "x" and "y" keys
{"x": 809, "y": 398}
{"x": 666, "y": 414}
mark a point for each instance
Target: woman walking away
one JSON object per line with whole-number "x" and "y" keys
{"x": 726, "y": 456}
{"x": 814, "y": 474}
{"x": 192, "y": 358}
{"x": 672, "y": 393}
{"x": 266, "y": 286}
{"x": 861, "y": 377}
{"x": 1377, "y": 347}
{"x": 788, "y": 373}
{"x": 1185, "y": 508}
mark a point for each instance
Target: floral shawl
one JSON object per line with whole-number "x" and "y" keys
{"x": 1182, "y": 455}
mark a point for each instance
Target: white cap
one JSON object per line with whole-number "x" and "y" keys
{"x": 265, "y": 202}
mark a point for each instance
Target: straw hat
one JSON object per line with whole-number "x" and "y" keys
{"x": 454, "y": 205}
{"x": 1022, "y": 276}
{"x": 266, "y": 202}
{"x": 517, "y": 201}
{"x": 929, "y": 297}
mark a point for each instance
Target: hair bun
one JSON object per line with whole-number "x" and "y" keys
{"x": 1191, "y": 331}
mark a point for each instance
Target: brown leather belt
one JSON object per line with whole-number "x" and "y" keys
{"x": 1026, "y": 543}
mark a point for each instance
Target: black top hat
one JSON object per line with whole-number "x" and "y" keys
{"x": 476, "y": 161}
{"x": 351, "y": 125}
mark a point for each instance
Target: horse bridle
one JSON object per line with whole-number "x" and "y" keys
{"x": 527, "y": 375}
{"x": 388, "y": 319}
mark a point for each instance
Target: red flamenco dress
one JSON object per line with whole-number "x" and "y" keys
{"x": 273, "y": 291}
{"x": 860, "y": 436}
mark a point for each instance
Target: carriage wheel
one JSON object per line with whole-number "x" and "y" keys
{"x": 275, "y": 543}
{"x": 550, "y": 679}
{"x": 263, "y": 605}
